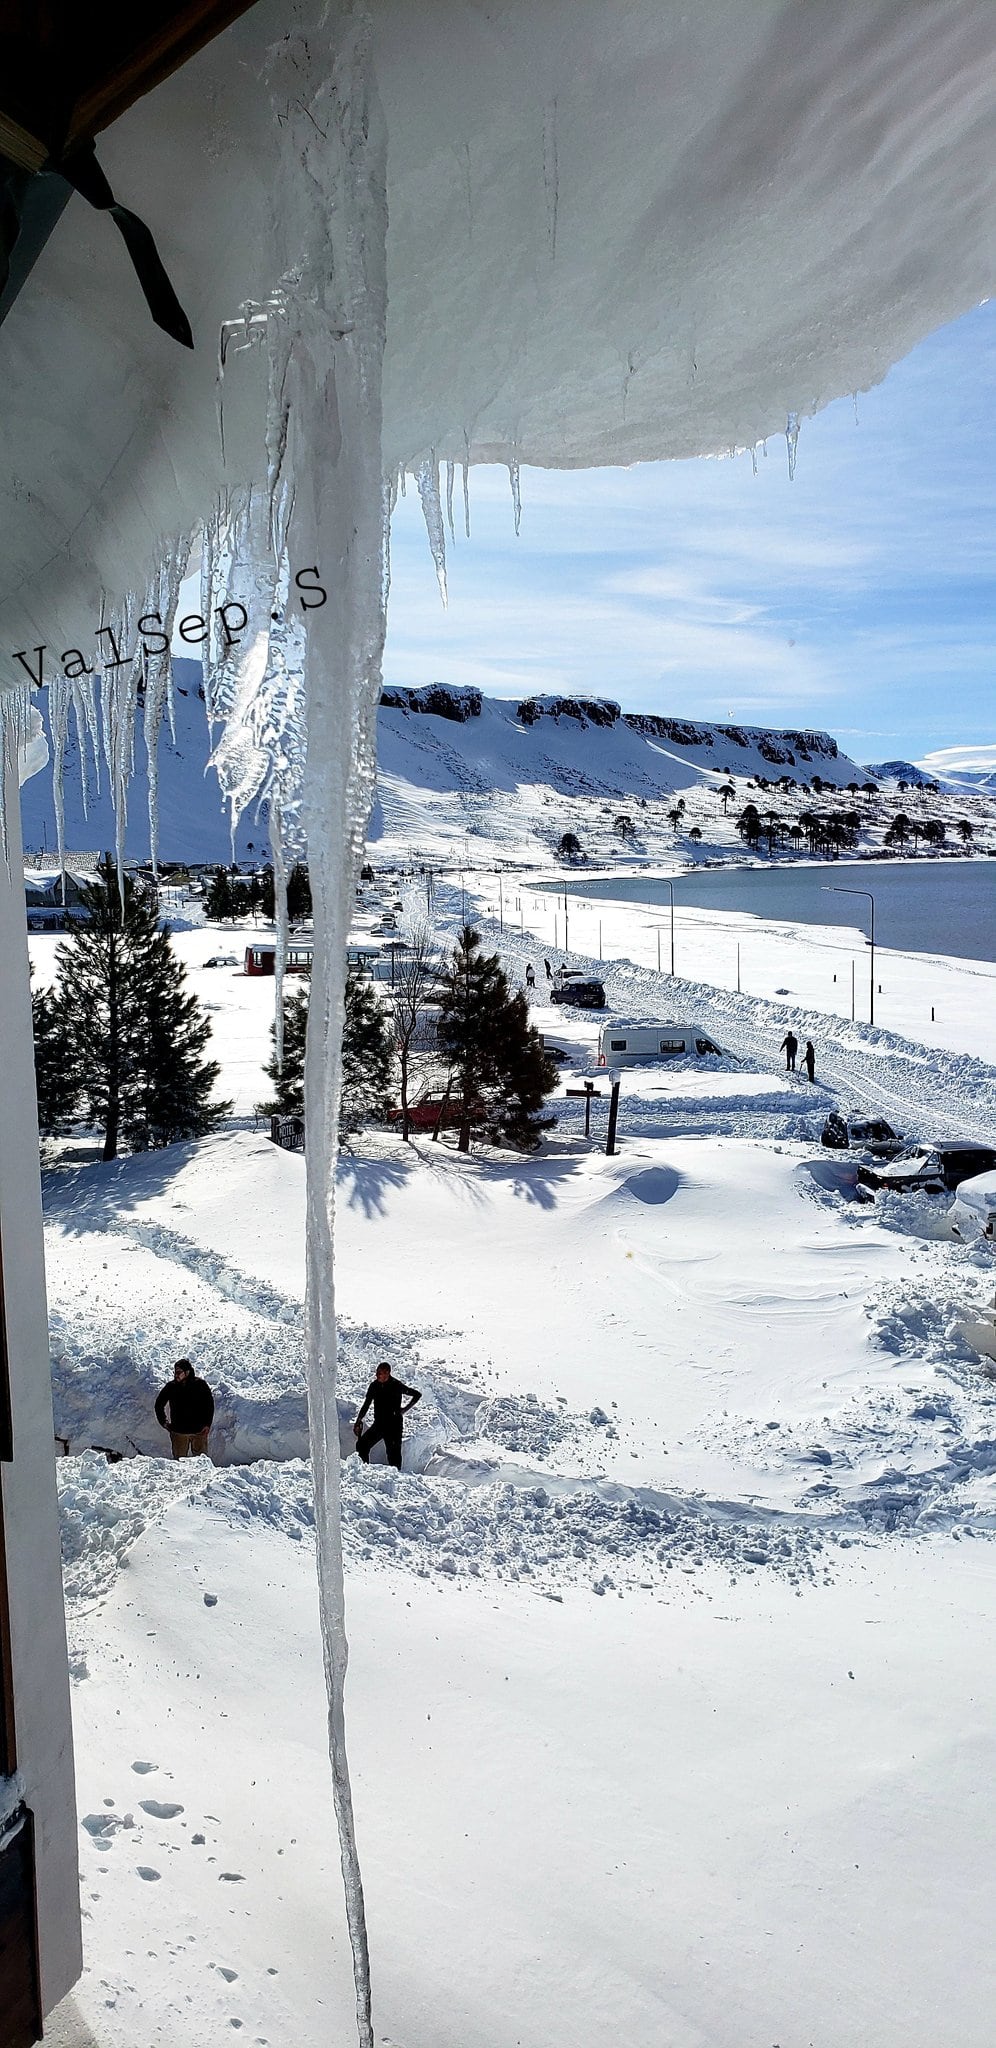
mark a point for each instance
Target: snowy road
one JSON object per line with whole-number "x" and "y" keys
{"x": 926, "y": 1091}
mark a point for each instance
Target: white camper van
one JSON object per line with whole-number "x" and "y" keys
{"x": 635, "y": 1045}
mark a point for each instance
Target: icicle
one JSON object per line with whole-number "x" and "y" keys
{"x": 792, "y": 441}
{"x": 450, "y": 476}
{"x": 85, "y": 708}
{"x": 280, "y": 919}
{"x": 331, "y": 218}
{"x": 513, "y": 477}
{"x": 753, "y": 458}
{"x": 401, "y": 481}
{"x": 119, "y": 681}
{"x": 58, "y": 721}
{"x": 466, "y": 498}
{"x": 19, "y": 722}
{"x": 854, "y": 396}
{"x": 551, "y": 179}
{"x": 163, "y": 598}
{"x": 428, "y": 489}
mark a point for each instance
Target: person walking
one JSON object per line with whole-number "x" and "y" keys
{"x": 386, "y": 1396}
{"x": 809, "y": 1059}
{"x": 530, "y": 975}
{"x": 789, "y": 1046}
{"x": 186, "y": 1409}
{"x": 549, "y": 970}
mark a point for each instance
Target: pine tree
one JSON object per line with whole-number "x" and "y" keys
{"x": 288, "y": 1076}
{"x": 367, "y": 1056}
{"x": 57, "y": 1082}
{"x": 218, "y": 901}
{"x": 367, "y": 1053}
{"x": 298, "y": 893}
{"x": 137, "y": 1039}
{"x": 500, "y": 1070}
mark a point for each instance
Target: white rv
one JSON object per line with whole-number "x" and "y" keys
{"x": 636, "y": 1045}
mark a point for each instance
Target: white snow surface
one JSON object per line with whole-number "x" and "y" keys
{"x": 692, "y": 1417}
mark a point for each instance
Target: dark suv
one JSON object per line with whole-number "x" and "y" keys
{"x": 578, "y": 989}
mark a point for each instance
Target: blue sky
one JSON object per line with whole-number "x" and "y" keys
{"x": 858, "y": 597}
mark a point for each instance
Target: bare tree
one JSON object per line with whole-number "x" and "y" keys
{"x": 416, "y": 973}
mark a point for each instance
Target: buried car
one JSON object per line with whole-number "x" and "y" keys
{"x": 863, "y": 1134}
{"x": 930, "y": 1169}
{"x": 973, "y": 1211}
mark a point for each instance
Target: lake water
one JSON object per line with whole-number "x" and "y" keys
{"x": 920, "y": 906}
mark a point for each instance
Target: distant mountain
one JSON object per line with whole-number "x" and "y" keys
{"x": 899, "y": 771}
{"x": 453, "y": 766}
{"x": 973, "y": 771}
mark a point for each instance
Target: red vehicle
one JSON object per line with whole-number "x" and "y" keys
{"x": 438, "y": 1108}
{"x": 263, "y": 959}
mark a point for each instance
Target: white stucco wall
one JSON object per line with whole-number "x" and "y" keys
{"x": 30, "y": 1511}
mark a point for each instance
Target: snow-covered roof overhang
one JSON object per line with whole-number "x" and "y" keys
{"x": 616, "y": 233}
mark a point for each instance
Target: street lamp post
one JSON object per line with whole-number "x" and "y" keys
{"x": 832, "y": 890}
{"x": 670, "y": 890}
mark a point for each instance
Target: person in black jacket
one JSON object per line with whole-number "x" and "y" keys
{"x": 789, "y": 1046}
{"x": 387, "y": 1397}
{"x": 186, "y": 1408}
{"x": 809, "y": 1059}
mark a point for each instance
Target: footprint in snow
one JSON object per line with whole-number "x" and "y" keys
{"x": 160, "y": 1809}
{"x": 230, "y": 1877}
{"x": 145, "y": 1870}
{"x": 142, "y": 1768}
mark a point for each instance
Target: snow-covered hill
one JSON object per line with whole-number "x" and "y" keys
{"x": 470, "y": 780}
{"x": 456, "y": 766}
{"x": 445, "y": 756}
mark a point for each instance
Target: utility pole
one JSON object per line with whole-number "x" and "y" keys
{"x": 565, "y": 920}
{"x": 738, "y": 967}
{"x": 832, "y": 890}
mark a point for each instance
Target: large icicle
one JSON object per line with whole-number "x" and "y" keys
{"x": 327, "y": 353}
{"x": 161, "y": 602}
{"x": 428, "y": 490}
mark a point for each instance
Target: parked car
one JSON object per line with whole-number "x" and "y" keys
{"x": 973, "y": 1211}
{"x": 436, "y": 1107}
{"x": 581, "y": 991}
{"x": 930, "y": 1169}
{"x": 221, "y": 960}
{"x": 863, "y": 1133}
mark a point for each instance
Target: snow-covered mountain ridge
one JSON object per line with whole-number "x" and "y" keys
{"x": 787, "y": 748}
{"x": 465, "y": 779}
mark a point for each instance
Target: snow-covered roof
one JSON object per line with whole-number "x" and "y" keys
{"x": 661, "y": 232}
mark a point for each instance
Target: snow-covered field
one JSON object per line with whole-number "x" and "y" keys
{"x": 671, "y": 1670}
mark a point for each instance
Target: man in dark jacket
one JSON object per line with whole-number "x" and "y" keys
{"x": 789, "y": 1046}
{"x": 387, "y": 1397}
{"x": 186, "y": 1408}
